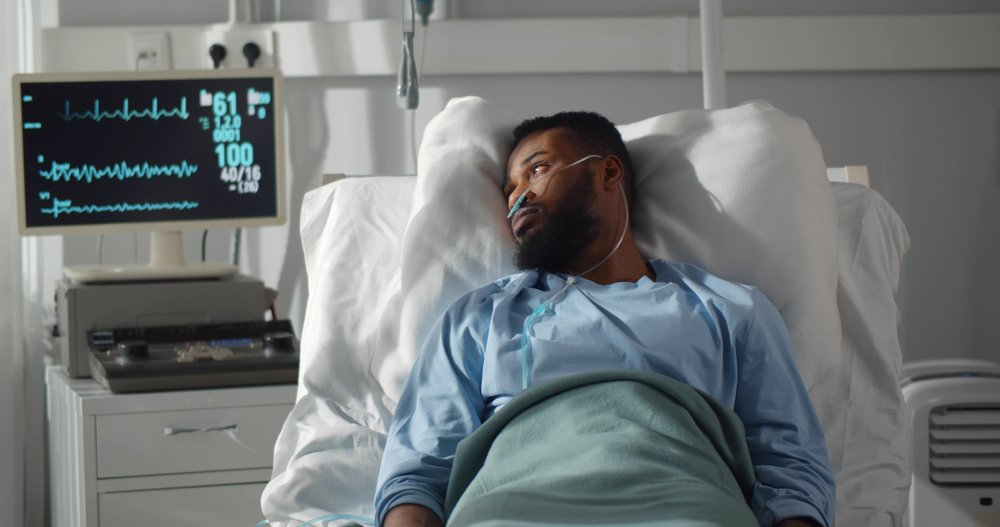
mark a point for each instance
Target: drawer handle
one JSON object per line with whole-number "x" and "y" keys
{"x": 171, "y": 431}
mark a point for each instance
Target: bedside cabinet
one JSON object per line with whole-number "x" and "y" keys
{"x": 178, "y": 458}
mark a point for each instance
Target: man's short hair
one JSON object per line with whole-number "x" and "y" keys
{"x": 592, "y": 132}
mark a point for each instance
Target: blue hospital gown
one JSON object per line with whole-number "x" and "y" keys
{"x": 723, "y": 338}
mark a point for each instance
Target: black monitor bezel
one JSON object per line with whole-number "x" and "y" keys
{"x": 278, "y": 218}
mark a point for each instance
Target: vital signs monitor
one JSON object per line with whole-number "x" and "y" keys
{"x": 149, "y": 151}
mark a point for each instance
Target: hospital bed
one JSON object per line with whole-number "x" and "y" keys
{"x": 742, "y": 192}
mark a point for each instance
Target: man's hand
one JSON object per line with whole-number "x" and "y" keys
{"x": 411, "y": 515}
{"x": 798, "y": 522}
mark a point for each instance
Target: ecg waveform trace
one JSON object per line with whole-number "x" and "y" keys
{"x": 60, "y": 207}
{"x": 125, "y": 113}
{"x": 120, "y": 171}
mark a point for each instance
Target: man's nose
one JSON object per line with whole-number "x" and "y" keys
{"x": 518, "y": 192}
{"x": 516, "y": 196}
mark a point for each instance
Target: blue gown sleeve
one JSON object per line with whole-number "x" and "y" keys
{"x": 786, "y": 443}
{"x": 441, "y": 404}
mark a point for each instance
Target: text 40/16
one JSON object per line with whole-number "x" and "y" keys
{"x": 242, "y": 179}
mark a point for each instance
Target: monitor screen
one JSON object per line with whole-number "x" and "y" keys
{"x": 153, "y": 151}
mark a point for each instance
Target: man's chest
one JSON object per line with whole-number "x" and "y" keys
{"x": 671, "y": 335}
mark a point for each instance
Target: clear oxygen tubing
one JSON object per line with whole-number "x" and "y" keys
{"x": 546, "y": 307}
{"x": 545, "y": 179}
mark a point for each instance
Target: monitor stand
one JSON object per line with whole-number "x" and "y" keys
{"x": 166, "y": 262}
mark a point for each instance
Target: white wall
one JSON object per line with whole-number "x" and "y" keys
{"x": 127, "y": 12}
{"x": 12, "y": 371}
{"x": 11, "y": 443}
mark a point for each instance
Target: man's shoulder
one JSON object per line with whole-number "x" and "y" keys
{"x": 705, "y": 283}
{"x": 511, "y": 283}
{"x": 501, "y": 287}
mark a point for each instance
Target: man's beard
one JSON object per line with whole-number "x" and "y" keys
{"x": 560, "y": 238}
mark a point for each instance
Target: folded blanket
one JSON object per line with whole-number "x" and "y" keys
{"x": 605, "y": 448}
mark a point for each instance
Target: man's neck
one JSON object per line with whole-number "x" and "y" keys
{"x": 625, "y": 265}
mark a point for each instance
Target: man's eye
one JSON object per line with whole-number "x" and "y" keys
{"x": 538, "y": 170}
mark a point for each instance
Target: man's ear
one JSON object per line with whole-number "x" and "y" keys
{"x": 614, "y": 171}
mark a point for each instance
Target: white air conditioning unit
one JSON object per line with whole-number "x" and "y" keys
{"x": 955, "y": 410}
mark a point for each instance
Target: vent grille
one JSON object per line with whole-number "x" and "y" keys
{"x": 965, "y": 445}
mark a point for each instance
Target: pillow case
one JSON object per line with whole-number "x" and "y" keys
{"x": 740, "y": 192}
{"x": 327, "y": 456}
{"x": 743, "y": 194}
{"x": 457, "y": 238}
{"x": 861, "y": 406}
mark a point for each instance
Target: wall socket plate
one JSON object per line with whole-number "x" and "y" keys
{"x": 234, "y": 38}
{"x": 149, "y": 51}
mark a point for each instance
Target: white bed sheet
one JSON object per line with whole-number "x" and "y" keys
{"x": 384, "y": 258}
{"x": 860, "y": 404}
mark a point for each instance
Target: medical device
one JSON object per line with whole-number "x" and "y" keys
{"x": 82, "y": 307}
{"x": 194, "y": 356}
{"x": 955, "y": 410}
{"x": 407, "y": 87}
{"x": 424, "y": 10}
{"x": 149, "y": 151}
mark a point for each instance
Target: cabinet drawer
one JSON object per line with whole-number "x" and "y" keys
{"x": 185, "y": 441}
{"x": 224, "y": 506}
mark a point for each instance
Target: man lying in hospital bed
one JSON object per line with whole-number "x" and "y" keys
{"x": 739, "y": 192}
{"x": 625, "y": 449}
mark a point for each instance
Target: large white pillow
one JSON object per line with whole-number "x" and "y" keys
{"x": 740, "y": 192}
{"x": 457, "y": 238}
{"x": 327, "y": 455}
{"x": 861, "y": 406}
{"x": 743, "y": 193}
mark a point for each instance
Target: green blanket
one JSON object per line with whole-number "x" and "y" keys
{"x": 606, "y": 448}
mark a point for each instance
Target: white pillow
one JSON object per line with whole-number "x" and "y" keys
{"x": 861, "y": 406}
{"x": 327, "y": 456}
{"x": 352, "y": 261}
{"x": 457, "y": 239}
{"x": 740, "y": 192}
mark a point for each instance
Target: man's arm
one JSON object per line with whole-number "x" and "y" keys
{"x": 409, "y": 515}
{"x": 441, "y": 405}
{"x": 786, "y": 442}
{"x": 798, "y": 522}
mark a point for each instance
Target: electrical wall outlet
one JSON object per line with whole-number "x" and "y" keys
{"x": 234, "y": 38}
{"x": 149, "y": 51}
